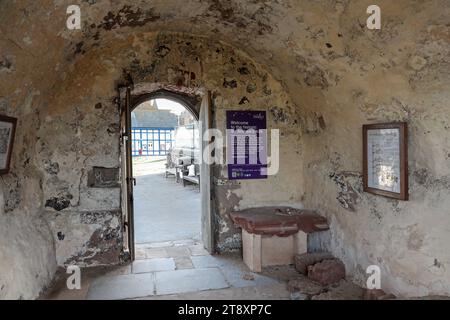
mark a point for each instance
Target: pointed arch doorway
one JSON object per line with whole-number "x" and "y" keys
{"x": 200, "y": 108}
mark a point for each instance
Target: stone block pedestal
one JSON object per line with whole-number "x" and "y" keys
{"x": 264, "y": 250}
{"x": 274, "y": 235}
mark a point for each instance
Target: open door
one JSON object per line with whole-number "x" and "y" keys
{"x": 127, "y": 173}
{"x": 205, "y": 174}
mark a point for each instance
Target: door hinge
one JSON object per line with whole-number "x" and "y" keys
{"x": 133, "y": 180}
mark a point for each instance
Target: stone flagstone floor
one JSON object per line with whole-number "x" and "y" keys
{"x": 183, "y": 270}
{"x": 177, "y": 270}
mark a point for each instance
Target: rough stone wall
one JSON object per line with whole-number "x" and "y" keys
{"x": 27, "y": 252}
{"x": 27, "y": 255}
{"x": 79, "y": 136}
{"x": 167, "y": 61}
{"x": 337, "y": 75}
{"x": 400, "y": 73}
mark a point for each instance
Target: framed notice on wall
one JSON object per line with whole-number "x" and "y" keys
{"x": 246, "y": 145}
{"x": 7, "y": 132}
{"x": 385, "y": 157}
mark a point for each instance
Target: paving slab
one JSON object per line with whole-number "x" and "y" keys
{"x": 163, "y": 244}
{"x": 198, "y": 250}
{"x": 240, "y": 279}
{"x": 191, "y": 280}
{"x": 183, "y": 263}
{"x": 235, "y": 271}
{"x": 152, "y": 265}
{"x": 153, "y": 253}
{"x": 178, "y": 252}
{"x": 209, "y": 261}
{"x": 117, "y": 270}
{"x": 122, "y": 287}
{"x": 139, "y": 254}
{"x": 188, "y": 242}
{"x": 275, "y": 292}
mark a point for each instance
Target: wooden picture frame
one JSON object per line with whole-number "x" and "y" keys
{"x": 7, "y": 133}
{"x": 385, "y": 159}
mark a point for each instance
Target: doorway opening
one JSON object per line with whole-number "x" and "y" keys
{"x": 165, "y": 147}
{"x": 169, "y": 185}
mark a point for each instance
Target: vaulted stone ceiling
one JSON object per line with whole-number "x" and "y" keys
{"x": 310, "y": 46}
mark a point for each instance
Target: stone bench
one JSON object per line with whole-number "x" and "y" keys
{"x": 273, "y": 235}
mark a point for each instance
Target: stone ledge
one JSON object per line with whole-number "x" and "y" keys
{"x": 279, "y": 221}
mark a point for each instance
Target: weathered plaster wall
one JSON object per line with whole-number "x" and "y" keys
{"x": 398, "y": 74}
{"x": 77, "y": 136}
{"x": 167, "y": 60}
{"x": 27, "y": 251}
{"x": 334, "y": 74}
{"x": 27, "y": 255}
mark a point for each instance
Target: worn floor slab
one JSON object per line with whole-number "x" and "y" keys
{"x": 122, "y": 287}
{"x": 152, "y": 265}
{"x": 198, "y": 250}
{"x": 153, "y": 253}
{"x": 224, "y": 276}
{"x": 274, "y": 292}
{"x": 183, "y": 263}
{"x": 191, "y": 280}
{"x": 178, "y": 251}
{"x": 235, "y": 271}
{"x": 209, "y": 261}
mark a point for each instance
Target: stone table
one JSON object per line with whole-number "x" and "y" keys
{"x": 273, "y": 235}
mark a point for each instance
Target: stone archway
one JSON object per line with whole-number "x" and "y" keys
{"x": 195, "y": 102}
{"x": 189, "y": 101}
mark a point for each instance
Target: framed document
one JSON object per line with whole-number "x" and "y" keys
{"x": 7, "y": 131}
{"x": 385, "y": 157}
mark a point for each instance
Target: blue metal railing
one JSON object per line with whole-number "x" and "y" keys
{"x": 151, "y": 141}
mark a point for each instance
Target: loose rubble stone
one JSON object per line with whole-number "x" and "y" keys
{"x": 343, "y": 290}
{"x": 305, "y": 286}
{"x": 377, "y": 294}
{"x": 302, "y": 261}
{"x": 248, "y": 277}
{"x": 327, "y": 271}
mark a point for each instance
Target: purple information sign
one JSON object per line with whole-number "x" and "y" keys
{"x": 246, "y": 145}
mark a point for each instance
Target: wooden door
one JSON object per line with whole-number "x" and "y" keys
{"x": 205, "y": 175}
{"x": 127, "y": 173}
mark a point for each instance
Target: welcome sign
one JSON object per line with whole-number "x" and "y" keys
{"x": 246, "y": 145}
